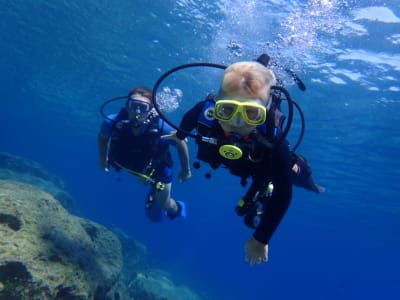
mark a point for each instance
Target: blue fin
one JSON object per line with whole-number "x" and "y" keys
{"x": 182, "y": 210}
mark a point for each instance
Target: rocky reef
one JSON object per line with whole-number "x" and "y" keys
{"x": 24, "y": 170}
{"x": 140, "y": 281}
{"x": 48, "y": 253}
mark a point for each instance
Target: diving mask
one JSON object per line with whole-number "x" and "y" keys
{"x": 138, "y": 111}
{"x": 138, "y": 106}
{"x": 253, "y": 113}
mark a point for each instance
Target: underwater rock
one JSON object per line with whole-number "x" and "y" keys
{"x": 24, "y": 170}
{"x": 47, "y": 253}
{"x": 134, "y": 255}
{"x": 138, "y": 280}
{"x": 157, "y": 285}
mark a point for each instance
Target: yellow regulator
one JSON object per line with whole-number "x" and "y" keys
{"x": 230, "y": 152}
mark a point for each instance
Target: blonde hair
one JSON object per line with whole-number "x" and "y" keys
{"x": 248, "y": 79}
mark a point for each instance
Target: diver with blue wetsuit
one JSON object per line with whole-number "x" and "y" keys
{"x": 131, "y": 141}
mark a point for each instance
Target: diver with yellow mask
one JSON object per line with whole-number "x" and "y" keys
{"x": 240, "y": 128}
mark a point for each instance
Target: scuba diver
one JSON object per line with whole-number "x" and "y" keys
{"x": 240, "y": 129}
{"x": 131, "y": 140}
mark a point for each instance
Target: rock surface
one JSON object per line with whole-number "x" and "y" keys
{"x": 47, "y": 253}
{"x": 157, "y": 285}
{"x": 24, "y": 170}
{"x": 139, "y": 281}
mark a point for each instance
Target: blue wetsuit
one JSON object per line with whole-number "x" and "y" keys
{"x": 145, "y": 153}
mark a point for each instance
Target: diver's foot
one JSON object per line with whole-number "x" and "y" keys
{"x": 181, "y": 212}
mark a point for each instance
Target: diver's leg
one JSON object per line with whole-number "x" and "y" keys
{"x": 152, "y": 210}
{"x": 164, "y": 200}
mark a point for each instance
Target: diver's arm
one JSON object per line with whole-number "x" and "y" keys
{"x": 183, "y": 154}
{"x": 276, "y": 207}
{"x": 170, "y": 135}
{"x": 189, "y": 120}
{"x": 102, "y": 141}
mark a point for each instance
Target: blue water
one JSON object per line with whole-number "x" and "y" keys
{"x": 61, "y": 60}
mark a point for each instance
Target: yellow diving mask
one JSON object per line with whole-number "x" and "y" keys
{"x": 253, "y": 113}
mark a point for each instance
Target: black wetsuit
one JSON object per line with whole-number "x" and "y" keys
{"x": 274, "y": 165}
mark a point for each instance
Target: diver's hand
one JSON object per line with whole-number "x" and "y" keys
{"x": 105, "y": 165}
{"x": 256, "y": 252}
{"x": 184, "y": 175}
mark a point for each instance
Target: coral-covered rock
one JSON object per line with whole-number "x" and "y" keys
{"x": 140, "y": 281}
{"x": 47, "y": 253}
{"x": 157, "y": 285}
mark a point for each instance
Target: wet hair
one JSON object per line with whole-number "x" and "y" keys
{"x": 247, "y": 79}
{"x": 142, "y": 91}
